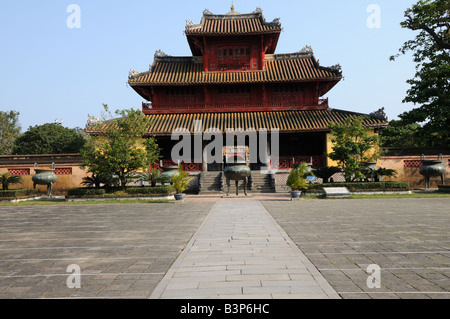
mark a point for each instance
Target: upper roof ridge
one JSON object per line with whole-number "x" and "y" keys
{"x": 232, "y": 15}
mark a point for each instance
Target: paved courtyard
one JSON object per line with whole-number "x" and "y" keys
{"x": 409, "y": 239}
{"x": 125, "y": 251}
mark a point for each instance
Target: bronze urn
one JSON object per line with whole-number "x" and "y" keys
{"x": 431, "y": 168}
{"x": 236, "y": 168}
{"x": 44, "y": 176}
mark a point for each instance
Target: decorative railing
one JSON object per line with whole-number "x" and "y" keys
{"x": 232, "y": 106}
{"x": 281, "y": 163}
{"x": 188, "y": 167}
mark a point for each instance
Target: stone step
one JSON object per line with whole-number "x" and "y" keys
{"x": 211, "y": 183}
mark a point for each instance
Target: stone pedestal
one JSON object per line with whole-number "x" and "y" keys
{"x": 336, "y": 192}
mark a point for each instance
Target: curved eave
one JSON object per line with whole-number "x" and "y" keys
{"x": 138, "y": 84}
{"x": 300, "y": 121}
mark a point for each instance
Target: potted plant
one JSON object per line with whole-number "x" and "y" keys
{"x": 297, "y": 179}
{"x": 180, "y": 181}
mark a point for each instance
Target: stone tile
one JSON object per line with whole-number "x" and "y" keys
{"x": 227, "y": 238}
{"x": 289, "y": 283}
{"x": 403, "y": 236}
{"x": 107, "y": 247}
{"x": 188, "y": 293}
{"x": 228, "y": 284}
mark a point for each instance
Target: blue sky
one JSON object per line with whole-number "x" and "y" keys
{"x": 49, "y": 71}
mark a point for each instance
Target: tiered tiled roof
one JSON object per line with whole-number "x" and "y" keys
{"x": 233, "y": 23}
{"x": 284, "y": 121}
{"x": 278, "y": 68}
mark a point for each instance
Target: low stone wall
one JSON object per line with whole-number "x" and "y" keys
{"x": 67, "y": 168}
{"x": 70, "y": 175}
{"x": 407, "y": 167}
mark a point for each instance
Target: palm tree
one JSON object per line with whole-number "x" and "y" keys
{"x": 151, "y": 177}
{"x": 6, "y": 179}
{"x": 93, "y": 181}
{"x": 326, "y": 173}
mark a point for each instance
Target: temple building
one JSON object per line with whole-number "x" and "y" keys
{"x": 235, "y": 80}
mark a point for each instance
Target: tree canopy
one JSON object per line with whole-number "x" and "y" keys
{"x": 353, "y": 146}
{"x": 430, "y": 87}
{"x": 399, "y": 134}
{"x": 49, "y": 139}
{"x": 118, "y": 146}
{"x": 9, "y": 131}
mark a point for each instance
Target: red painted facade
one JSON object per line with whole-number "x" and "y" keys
{"x": 238, "y": 62}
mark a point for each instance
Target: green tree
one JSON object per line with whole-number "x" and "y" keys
{"x": 6, "y": 179}
{"x": 325, "y": 173}
{"x": 399, "y": 134}
{"x": 116, "y": 145}
{"x": 9, "y": 131}
{"x": 49, "y": 139}
{"x": 352, "y": 146}
{"x": 430, "y": 87}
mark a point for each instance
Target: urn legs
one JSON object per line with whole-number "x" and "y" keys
{"x": 228, "y": 180}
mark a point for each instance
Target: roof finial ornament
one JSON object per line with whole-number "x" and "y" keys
{"x": 233, "y": 11}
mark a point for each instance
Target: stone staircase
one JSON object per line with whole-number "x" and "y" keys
{"x": 211, "y": 182}
{"x": 262, "y": 183}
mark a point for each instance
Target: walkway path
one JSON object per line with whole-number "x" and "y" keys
{"x": 241, "y": 252}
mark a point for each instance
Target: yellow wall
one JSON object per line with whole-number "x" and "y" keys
{"x": 411, "y": 174}
{"x": 329, "y": 146}
{"x": 62, "y": 184}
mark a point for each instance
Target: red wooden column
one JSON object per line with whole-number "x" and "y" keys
{"x": 206, "y": 99}
{"x": 262, "y": 54}
{"x": 205, "y": 56}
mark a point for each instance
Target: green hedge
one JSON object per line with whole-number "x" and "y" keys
{"x": 101, "y": 192}
{"x": 11, "y": 193}
{"x": 363, "y": 186}
{"x": 157, "y": 190}
{"x": 85, "y": 191}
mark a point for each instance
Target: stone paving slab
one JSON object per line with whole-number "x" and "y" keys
{"x": 409, "y": 239}
{"x": 123, "y": 250}
{"x": 240, "y": 251}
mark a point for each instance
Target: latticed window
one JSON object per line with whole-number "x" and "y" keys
{"x": 63, "y": 171}
{"x": 180, "y": 94}
{"x": 19, "y": 171}
{"x": 234, "y": 92}
{"x": 412, "y": 163}
{"x": 233, "y": 58}
{"x": 287, "y": 92}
